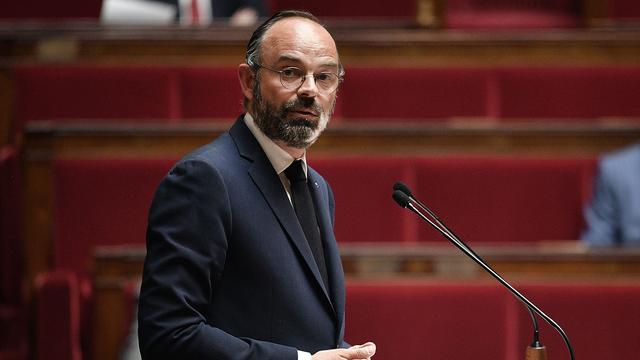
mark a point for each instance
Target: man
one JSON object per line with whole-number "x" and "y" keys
{"x": 613, "y": 217}
{"x": 241, "y": 261}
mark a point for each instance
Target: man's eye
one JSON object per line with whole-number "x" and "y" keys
{"x": 324, "y": 77}
{"x": 291, "y": 72}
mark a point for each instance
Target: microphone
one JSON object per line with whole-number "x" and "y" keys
{"x": 405, "y": 189}
{"x": 403, "y": 196}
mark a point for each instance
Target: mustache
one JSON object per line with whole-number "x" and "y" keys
{"x": 303, "y": 104}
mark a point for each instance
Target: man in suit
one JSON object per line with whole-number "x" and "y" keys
{"x": 241, "y": 261}
{"x": 613, "y": 217}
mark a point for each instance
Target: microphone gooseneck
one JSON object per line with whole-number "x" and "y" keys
{"x": 404, "y": 197}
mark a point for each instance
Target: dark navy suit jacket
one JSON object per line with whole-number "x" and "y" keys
{"x": 229, "y": 273}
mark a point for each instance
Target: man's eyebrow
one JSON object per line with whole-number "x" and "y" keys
{"x": 287, "y": 57}
{"x": 293, "y": 58}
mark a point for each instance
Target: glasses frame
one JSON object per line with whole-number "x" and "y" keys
{"x": 304, "y": 78}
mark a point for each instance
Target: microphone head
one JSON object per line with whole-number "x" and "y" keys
{"x": 401, "y": 198}
{"x": 402, "y": 187}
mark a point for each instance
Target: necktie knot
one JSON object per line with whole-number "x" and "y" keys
{"x": 295, "y": 172}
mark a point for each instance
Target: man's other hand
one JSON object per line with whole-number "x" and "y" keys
{"x": 356, "y": 352}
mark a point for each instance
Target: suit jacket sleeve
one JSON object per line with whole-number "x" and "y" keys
{"x": 189, "y": 224}
{"x": 602, "y": 217}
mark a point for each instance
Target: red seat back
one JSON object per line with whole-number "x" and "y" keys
{"x": 429, "y": 320}
{"x": 569, "y": 93}
{"x": 101, "y": 202}
{"x": 505, "y": 199}
{"x": 375, "y": 94}
{"x": 362, "y": 188}
{"x": 210, "y": 93}
{"x": 601, "y": 320}
{"x": 72, "y": 93}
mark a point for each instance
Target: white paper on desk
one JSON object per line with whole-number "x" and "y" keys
{"x": 137, "y": 12}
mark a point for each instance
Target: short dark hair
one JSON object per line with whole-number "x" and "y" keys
{"x": 254, "y": 46}
{"x": 255, "y": 43}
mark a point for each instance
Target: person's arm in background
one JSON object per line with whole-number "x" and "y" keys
{"x": 602, "y": 215}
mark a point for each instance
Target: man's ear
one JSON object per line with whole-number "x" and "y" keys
{"x": 246, "y": 77}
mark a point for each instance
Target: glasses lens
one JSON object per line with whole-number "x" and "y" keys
{"x": 326, "y": 81}
{"x": 291, "y": 78}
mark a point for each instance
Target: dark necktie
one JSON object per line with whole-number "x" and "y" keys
{"x": 303, "y": 204}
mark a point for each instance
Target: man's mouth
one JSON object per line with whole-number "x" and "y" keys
{"x": 305, "y": 112}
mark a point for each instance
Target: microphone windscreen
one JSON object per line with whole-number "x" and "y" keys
{"x": 401, "y": 198}
{"x": 402, "y": 187}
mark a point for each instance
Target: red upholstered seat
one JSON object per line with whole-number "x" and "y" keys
{"x": 59, "y": 10}
{"x": 569, "y": 93}
{"x": 483, "y": 198}
{"x": 58, "y": 314}
{"x": 482, "y": 320}
{"x": 97, "y": 202}
{"x": 71, "y": 93}
{"x": 415, "y": 94}
{"x": 362, "y": 188}
{"x": 429, "y": 320}
{"x": 624, "y": 9}
{"x": 505, "y": 199}
{"x": 81, "y": 93}
{"x": 600, "y": 319}
{"x": 13, "y": 332}
{"x": 210, "y": 93}
{"x": 510, "y": 14}
{"x": 101, "y": 202}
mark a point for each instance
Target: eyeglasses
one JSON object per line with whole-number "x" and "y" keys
{"x": 292, "y": 78}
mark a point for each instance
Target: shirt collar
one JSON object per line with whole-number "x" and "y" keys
{"x": 279, "y": 159}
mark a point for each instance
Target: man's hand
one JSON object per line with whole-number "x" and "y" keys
{"x": 357, "y": 352}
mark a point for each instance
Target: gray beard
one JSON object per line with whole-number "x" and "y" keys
{"x": 278, "y": 126}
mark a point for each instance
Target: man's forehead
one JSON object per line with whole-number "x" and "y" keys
{"x": 299, "y": 34}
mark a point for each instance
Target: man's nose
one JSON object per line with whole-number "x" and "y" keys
{"x": 309, "y": 88}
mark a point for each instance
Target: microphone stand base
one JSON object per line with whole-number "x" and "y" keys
{"x": 536, "y": 353}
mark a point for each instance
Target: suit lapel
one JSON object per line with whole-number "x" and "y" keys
{"x": 331, "y": 252}
{"x": 266, "y": 179}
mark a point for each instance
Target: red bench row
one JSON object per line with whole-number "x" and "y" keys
{"x": 430, "y": 319}
{"x": 73, "y": 93}
{"x": 435, "y": 320}
{"x": 485, "y": 199}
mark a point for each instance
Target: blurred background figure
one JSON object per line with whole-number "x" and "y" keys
{"x": 613, "y": 217}
{"x": 183, "y": 12}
